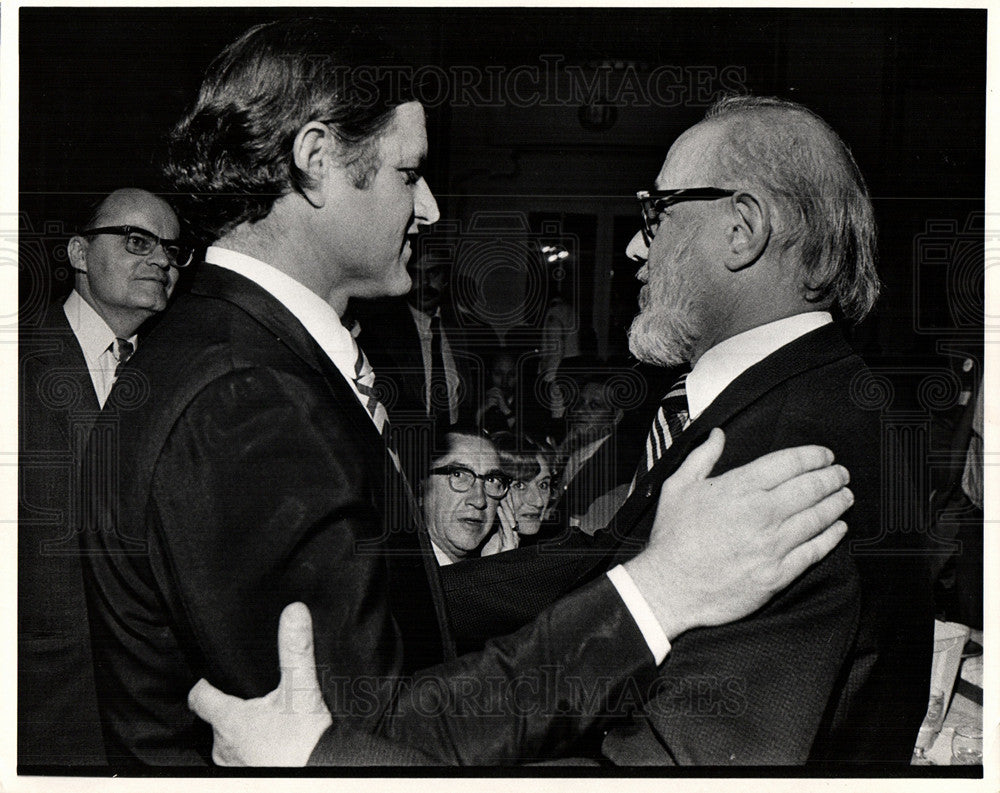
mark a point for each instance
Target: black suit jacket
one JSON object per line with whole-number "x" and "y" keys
{"x": 390, "y": 340}
{"x": 834, "y": 668}
{"x": 57, "y": 707}
{"x": 250, "y": 476}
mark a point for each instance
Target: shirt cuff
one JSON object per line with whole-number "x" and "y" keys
{"x": 649, "y": 626}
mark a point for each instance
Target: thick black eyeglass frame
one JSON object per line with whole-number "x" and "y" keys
{"x": 653, "y": 202}
{"x": 448, "y": 470}
{"x": 127, "y": 231}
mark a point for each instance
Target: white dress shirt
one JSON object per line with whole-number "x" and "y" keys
{"x": 97, "y": 341}
{"x": 728, "y": 359}
{"x": 423, "y": 323}
{"x": 316, "y": 315}
{"x": 324, "y": 325}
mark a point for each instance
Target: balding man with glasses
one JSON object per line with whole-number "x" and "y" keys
{"x": 126, "y": 259}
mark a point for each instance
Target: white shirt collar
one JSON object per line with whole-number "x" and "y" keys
{"x": 728, "y": 359}
{"x": 443, "y": 559}
{"x": 422, "y": 320}
{"x": 90, "y": 329}
{"x": 316, "y": 315}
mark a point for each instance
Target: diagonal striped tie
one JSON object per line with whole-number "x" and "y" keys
{"x": 668, "y": 424}
{"x": 364, "y": 381}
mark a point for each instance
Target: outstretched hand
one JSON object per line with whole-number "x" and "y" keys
{"x": 280, "y": 728}
{"x": 721, "y": 547}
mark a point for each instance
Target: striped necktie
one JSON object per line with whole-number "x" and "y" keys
{"x": 668, "y": 424}
{"x": 364, "y": 381}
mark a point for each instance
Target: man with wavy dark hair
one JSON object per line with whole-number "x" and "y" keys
{"x": 261, "y": 473}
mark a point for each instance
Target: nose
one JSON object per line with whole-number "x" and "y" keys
{"x": 158, "y": 258}
{"x": 477, "y": 495}
{"x": 425, "y": 207}
{"x": 637, "y": 249}
{"x": 534, "y": 496}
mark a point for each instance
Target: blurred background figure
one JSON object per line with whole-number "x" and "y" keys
{"x": 415, "y": 345}
{"x": 957, "y": 514}
{"x": 497, "y": 411}
{"x": 600, "y": 449}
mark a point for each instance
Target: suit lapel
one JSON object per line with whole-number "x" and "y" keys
{"x": 409, "y": 555}
{"x": 812, "y": 350}
{"x": 56, "y": 350}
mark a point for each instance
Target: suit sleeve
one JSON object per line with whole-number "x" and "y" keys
{"x": 527, "y": 696}
{"x": 754, "y": 691}
{"x": 260, "y": 496}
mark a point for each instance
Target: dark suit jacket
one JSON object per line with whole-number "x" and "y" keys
{"x": 57, "y": 706}
{"x": 390, "y": 340}
{"x": 250, "y": 476}
{"x": 834, "y": 668}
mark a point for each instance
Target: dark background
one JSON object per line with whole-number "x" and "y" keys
{"x": 905, "y": 88}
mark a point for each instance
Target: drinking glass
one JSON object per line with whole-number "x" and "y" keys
{"x": 967, "y": 745}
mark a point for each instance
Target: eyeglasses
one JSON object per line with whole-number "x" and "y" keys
{"x": 653, "y": 202}
{"x": 461, "y": 479}
{"x": 142, "y": 243}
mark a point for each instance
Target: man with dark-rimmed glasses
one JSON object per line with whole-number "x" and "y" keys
{"x": 461, "y": 494}
{"x": 125, "y": 261}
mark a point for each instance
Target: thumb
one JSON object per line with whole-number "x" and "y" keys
{"x": 209, "y": 703}
{"x": 295, "y": 648}
{"x": 699, "y": 462}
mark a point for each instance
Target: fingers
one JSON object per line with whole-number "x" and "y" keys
{"x": 513, "y": 539}
{"x": 699, "y": 462}
{"x": 774, "y": 469}
{"x": 295, "y": 648}
{"x": 803, "y": 526}
{"x": 806, "y": 555}
{"x": 506, "y": 514}
{"x": 211, "y": 704}
{"x": 508, "y": 536}
{"x": 808, "y": 490}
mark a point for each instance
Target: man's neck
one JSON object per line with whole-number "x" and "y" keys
{"x": 742, "y": 325}
{"x": 277, "y": 241}
{"x": 124, "y": 324}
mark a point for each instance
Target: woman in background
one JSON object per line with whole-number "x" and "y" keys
{"x": 530, "y": 466}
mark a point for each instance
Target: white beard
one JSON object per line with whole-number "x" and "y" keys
{"x": 666, "y": 329}
{"x": 662, "y": 336}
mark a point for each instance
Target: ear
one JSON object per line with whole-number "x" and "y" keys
{"x": 314, "y": 153}
{"x": 77, "y": 251}
{"x": 750, "y": 231}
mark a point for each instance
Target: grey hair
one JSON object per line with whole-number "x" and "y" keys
{"x": 820, "y": 195}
